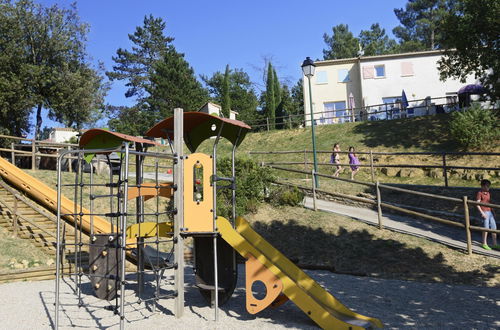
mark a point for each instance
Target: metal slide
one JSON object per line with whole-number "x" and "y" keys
{"x": 322, "y": 307}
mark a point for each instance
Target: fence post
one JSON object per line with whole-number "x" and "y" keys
{"x": 467, "y": 226}
{"x": 379, "y": 207}
{"x": 444, "y": 170}
{"x": 371, "y": 166}
{"x": 305, "y": 163}
{"x": 267, "y": 123}
{"x": 70, "y": 166}
{"x": 14, "y": 217}
{"x": 33, "y": 155}
{"x": 352, "y": 115}
{"x": 314, "y": 189}
{"x": 13, "y": 154}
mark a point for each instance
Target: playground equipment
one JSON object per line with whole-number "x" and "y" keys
{"x": 144, "y": 228}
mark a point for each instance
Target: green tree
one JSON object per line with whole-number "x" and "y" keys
{"x": 420, "y": 19}
{"x": 470, "y": 33}
{"x": 135, "y": 66}
{"x": 129, "y": 120}
{"x": 241, "y": 91}
{"x": 376, "y": 42}
{"x": 173, "y": 85}
{"x": 48, "y": 44}
{"x": 226, "y": 96}
{"x": 269, "y": 99}
{"x": 341, "y": 44}
{"x": 296, "y": 107}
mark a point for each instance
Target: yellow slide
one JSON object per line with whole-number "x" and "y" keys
{"x": 322, "y": 307}
{"x": 48, "y": 197}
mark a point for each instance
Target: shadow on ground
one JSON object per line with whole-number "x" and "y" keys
{"x": 408, "y": 133}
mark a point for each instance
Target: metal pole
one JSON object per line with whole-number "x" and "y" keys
{"x": 123, "y": 232}
{"x": 467, "y": 226}
{"x": 70, "y": 166}
{"x": 139, "y": 202}
{"x": 379, "y": 207}
{"x": 216, "y": 273}
{"x": 58, "y": 240}
{"x": 313, "y": 134}
{"x": 314, "y": 190}
{"x": 267, "y": 123}
{"x": 179, "y": 215}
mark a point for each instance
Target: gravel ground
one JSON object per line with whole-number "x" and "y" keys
{"x": 399, "y": 304}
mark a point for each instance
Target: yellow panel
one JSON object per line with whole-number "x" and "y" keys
{"x": 149, "y": 190}
{"x": 309, "y": 296}
{"x": 149, "y": 229}
{"x": 197, "y": 214}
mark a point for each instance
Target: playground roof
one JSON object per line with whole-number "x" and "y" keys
{"x": 199, "y": 126}
{"x": 100, "y": 138}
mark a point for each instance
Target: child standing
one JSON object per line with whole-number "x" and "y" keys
{"x": 353, "y": 162}
{"x": 483, "y": 196}
{"x": 335, "y": 159}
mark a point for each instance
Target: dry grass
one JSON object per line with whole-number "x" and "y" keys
{"x": 347, "y": 246}
{"x": 15, "y": 250}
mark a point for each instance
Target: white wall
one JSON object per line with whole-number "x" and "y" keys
{"x": 61, "y": 136}
{"x": 423, "y": 83}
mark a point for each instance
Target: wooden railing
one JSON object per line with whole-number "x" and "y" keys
{"x": 445, "y": 167}
{"x": 378, "y": 201}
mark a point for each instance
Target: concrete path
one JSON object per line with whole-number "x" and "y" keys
{"x": 435, "y": 231}
{"x": 398, "y": 304}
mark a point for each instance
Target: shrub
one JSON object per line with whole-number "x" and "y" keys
{"x": 251, "y": 182}
{"x": 475, "y": 128}
{"x": 282, "y": 195}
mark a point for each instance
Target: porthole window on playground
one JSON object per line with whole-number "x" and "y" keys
{"x": 198, "y": 182}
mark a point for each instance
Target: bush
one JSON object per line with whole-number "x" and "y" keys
{"x": 251, "y": 182}
{"x": 282, "y": 195}
{"x": 475, "y": 128}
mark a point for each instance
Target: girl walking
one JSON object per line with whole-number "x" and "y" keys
{"x": 335, "y": 159}
{"x": 353, "y": 162}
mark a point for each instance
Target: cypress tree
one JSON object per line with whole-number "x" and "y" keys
{"x": 226, "y": 97}
{"x": 270, "y": 98}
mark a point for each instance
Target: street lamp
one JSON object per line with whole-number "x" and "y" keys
{"x": 308, "y": 70}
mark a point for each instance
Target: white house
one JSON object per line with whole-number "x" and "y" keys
{"x": 61, "y": 134}
{"x": 376, "y": 83}
{"x": 215, "y": 109}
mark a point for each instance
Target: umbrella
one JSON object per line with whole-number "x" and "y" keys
{"x": 404, "y": 100}
{"x": 472, "y": 89}
{"x": 351, "y": 104}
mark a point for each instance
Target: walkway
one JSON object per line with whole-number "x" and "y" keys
{"x": 448, "y": 235}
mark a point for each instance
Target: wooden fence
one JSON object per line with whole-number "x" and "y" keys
{"x": 444, "y": 166}
{"x": 378, "y": 201}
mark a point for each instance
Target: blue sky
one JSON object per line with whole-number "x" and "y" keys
{"x": 214, "y": 33}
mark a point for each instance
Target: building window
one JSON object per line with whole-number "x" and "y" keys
{"x": 321, "y": 77}
{"x": 379, "y": 71}
{"x": 406, "y": 69}
{"x": 343, "y": 75}
{"x": 335, "y": 112}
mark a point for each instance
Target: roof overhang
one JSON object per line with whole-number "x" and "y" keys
{"x": 199, "y": 126}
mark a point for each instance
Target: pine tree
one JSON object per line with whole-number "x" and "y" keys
{"x": 270, "y": 97}
{"x": 376, "y": 42}
{"x": 226, "y": 97}
{"x": 135, "y": 67}
{"x": 173, "y": 85}
{"x": 342, "y": 43}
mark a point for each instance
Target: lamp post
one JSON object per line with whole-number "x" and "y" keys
{"x": 308, "y": 70}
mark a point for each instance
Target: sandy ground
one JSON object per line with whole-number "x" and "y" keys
{"x": 399, "y": 304}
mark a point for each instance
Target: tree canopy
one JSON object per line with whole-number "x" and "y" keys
{"x": 376, "y": 42}
{"x": 341, "y": 44}
{"x": 470, "y": 33}
{"x": 241, "y": 92}
{"x": 44, "y": 65}
{"x": 420, "y": 19}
